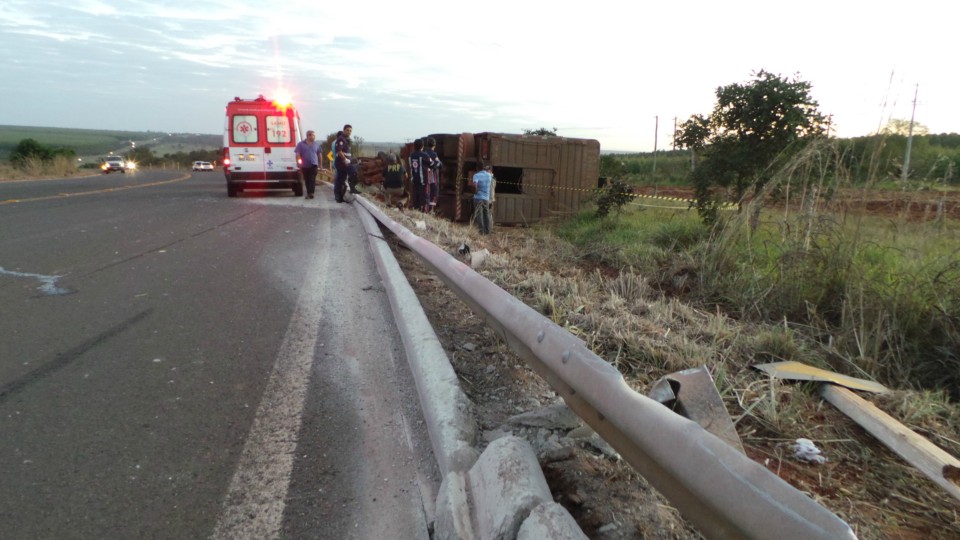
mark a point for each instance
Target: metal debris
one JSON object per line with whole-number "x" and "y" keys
{"x": 798, "y": 371}
{"x": 692, "y": 393}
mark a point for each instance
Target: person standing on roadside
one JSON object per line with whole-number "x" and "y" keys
{"x": 419, "y": 163}
{"x": 433, "y": 175}
{"x": 308, "y": 155}
{"x": 346, "y": 170}
{"x": 393, "y": 174}
{"x": 483, "y": 181}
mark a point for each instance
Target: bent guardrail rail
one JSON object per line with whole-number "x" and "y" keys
{"x": 721, "y": 491}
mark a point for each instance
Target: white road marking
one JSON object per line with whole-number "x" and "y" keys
{"x": 255, "y": 499}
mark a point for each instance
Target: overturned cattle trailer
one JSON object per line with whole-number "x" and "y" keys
{"x": 535, "y": 176}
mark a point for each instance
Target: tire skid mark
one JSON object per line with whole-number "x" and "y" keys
{"x": 66, "y": 358}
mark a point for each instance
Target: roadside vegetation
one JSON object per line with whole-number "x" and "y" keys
{"x": 39, "y": 152}
{"x": 783, "y": 259}
{"x": 655, "y": 291}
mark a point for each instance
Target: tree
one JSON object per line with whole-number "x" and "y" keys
{"x": 544, "y": 132}
{"x": 899, "y": 126}
{"x": 752, "y": 126}
{"x": 613, "y": 197}
{"x": 29, "y": 148}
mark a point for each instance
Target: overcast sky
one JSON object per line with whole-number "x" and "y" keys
{"x": 603, "y": 69}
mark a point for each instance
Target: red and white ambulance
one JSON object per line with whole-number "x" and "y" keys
{"x": 259, "y": 141}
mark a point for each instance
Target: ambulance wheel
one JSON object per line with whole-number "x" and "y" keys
{"x": 231, "y": 191}
{"x": 298, "y": 190}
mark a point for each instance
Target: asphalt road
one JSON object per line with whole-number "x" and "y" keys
{"x": 175, "y": 363}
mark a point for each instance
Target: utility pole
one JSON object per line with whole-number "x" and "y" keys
{"x": 673, "y": 144}
{"x": 906, "y": 157}
{"x": 656, "y": 128}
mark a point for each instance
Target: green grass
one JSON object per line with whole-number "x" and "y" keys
{"x": 882, "y": 295}
{"x": 670, "y": 168}
{"x": 640, "y": 237}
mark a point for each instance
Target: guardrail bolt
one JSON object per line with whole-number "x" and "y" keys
{"x": 566, "y": 356}
{"x": 540, "y": 337}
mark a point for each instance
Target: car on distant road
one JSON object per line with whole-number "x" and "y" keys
{"x": 113, "y": 163}
{"x": 202, "y": 166}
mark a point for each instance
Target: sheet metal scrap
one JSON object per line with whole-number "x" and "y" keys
{"x": 691, "y": 393}
{"x": 799, "y": 371}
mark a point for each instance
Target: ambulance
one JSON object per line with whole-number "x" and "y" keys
{"x": 259, "y": 141}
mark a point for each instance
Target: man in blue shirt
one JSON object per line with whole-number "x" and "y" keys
{"x": 483, "y": 181}
{"x": 308, "y": 154}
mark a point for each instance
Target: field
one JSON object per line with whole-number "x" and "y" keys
{"x": 91, "y": 143}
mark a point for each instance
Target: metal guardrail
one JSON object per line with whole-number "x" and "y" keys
{"x": 721, "y": 491}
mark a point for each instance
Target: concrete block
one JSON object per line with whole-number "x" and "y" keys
{"x": 452, "y": 521}
{"x": 550, "y": 521}
{"x": 505, "y": 484}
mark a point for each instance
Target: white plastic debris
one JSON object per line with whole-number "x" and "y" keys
{"x": 422, "y": 225}
{"x": 805, "y": 450}
{"x": 477, "y": 258}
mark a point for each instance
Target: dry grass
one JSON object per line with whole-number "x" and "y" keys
{"x": 58, "y": 167}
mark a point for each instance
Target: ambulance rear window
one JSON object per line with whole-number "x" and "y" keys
{"x": 278, "y": 129}
{"x": 245, "y": 128}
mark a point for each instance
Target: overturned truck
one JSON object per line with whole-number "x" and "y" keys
{"x": 536, "y": 176}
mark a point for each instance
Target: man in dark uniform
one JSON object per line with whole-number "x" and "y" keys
{"x": 433, "y": 174}
{"x": 419, "y": 164}
{"x": 346, "y": 170}
{"x": 393, "y": 175}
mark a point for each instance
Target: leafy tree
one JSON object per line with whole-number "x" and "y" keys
{"x": 29, "y": 148}
{"x": 541, "y": 131}
{"x": 751, "y": 127}
{"x": 613, "y": 197}
{"x": 899, "y": 126}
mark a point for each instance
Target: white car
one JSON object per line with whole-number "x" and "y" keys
{"x": 113, "y": 163}
{"x": 202, "y": 166}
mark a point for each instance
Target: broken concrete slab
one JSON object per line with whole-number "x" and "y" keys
{"x": 553, "y": 417}
{"x": 453, "y": 520}
{"x": 550, "y": 520}
{"x": 506, "y": 484}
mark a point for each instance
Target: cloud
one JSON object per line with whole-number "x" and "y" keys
{"x": 452, "y": 67}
